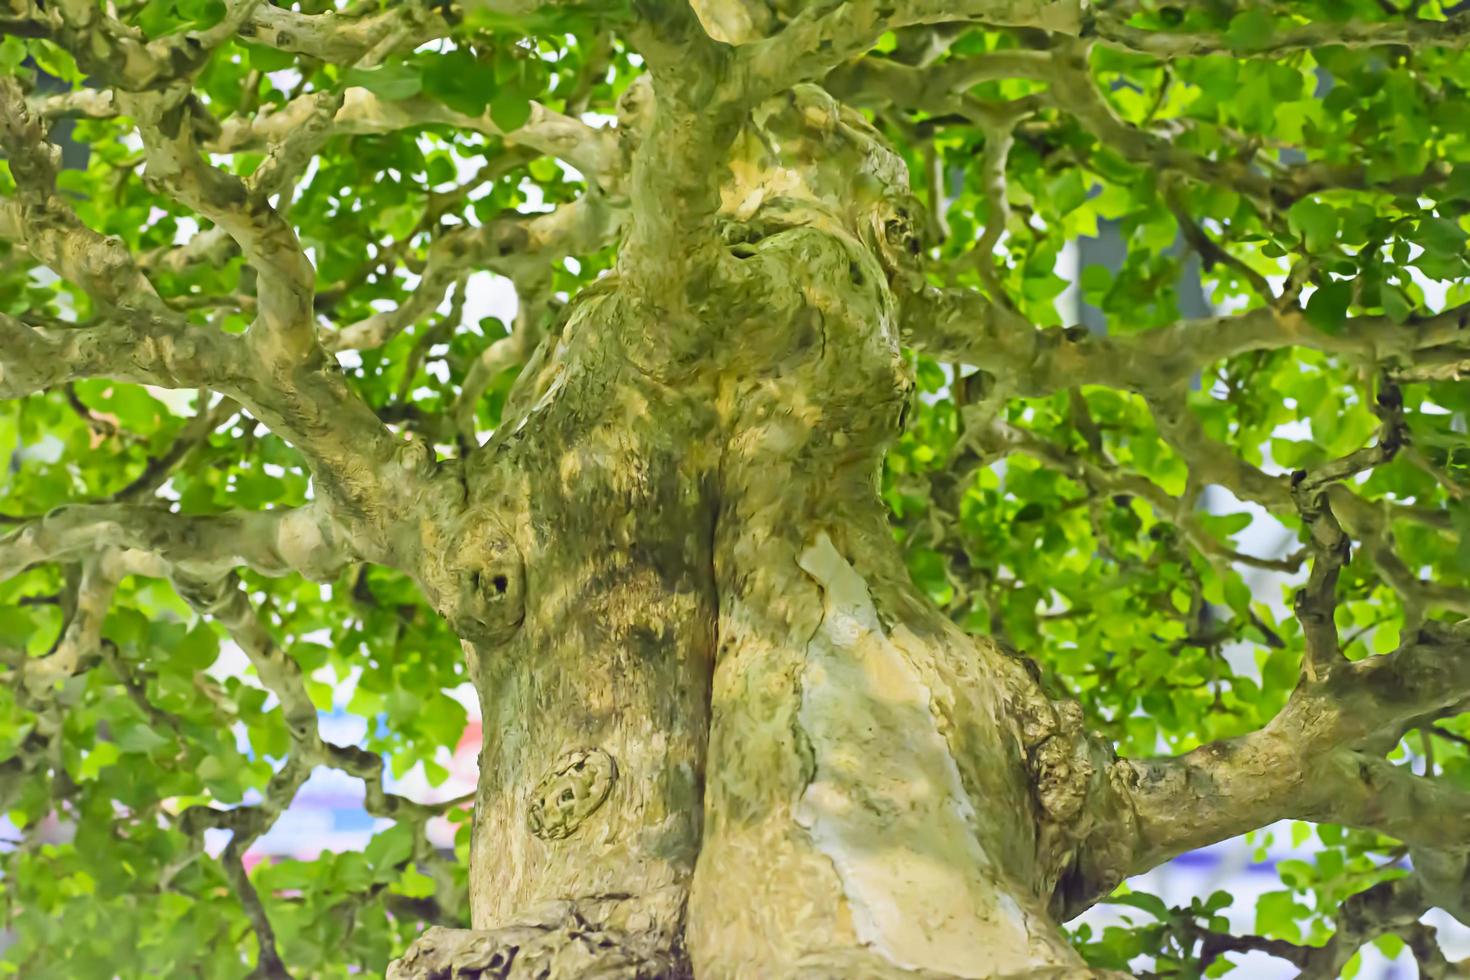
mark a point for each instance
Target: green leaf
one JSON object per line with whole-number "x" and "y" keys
{"x": 416, "y": 885}
{"x": 157, "y": 17}
{"x": 1391, "y": 945}
{"x": 99, "y": 757}
{"x": 1441, "y": 236}
{"x": 1327, "y": 308}
{"x": 389, "y": 849}
{"x": 1250, "y": 30}
{"x": 1277, "y": 914}
{"x": 1219, "y": 967}
{"x": 264, "y": 58}
{"x": 1460, "y": 515}
{"x": 392, "y": 82}
{"x": 459, "y": 80}
{"x": 1067, "y": 192}
{"x": 509, "y": 109}
{"x": 1151, "y": 904}
{"x": 201, "y": 14}
{"x": 12, "y": 53}
{"x": 1033, "y": 511}
{"x": 138, "y": 738}
{"x": 1315, "y": 222}
{"x": 196, "y": 650}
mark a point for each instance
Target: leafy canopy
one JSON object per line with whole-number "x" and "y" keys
{"x": 1235, "y": 142}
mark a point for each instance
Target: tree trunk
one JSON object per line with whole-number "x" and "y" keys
{"x": 723, "y": 732}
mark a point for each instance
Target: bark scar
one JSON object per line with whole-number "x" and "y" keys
{"x": 572, "y": 791}
{"x": 886, "y": 803}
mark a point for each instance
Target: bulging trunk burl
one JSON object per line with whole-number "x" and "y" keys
{"x": 724, "y": 734}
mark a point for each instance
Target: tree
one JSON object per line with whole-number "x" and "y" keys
{"x": 741, "y": 526}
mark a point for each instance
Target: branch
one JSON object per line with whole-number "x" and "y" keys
{"x": 273, "y": 542}
{"x": 45, "y": 224}
{"x": 823, "y": 36}
{"x": 144, "y": 342}
{"x": 279, "y": 371}
{"x": 284, "y": 332}
{"x": 1318, "y": 760}
{"x": 1368, "y": 522}
{"x": 353, "y": 457}
{"x": 1105, "y": 481}
{"x": 342, "y": 38}
{"x": 1209, "y": 460}
{"x": 677, "y": 171}
{"x": 703, "y": 93}
{"x": 962, "y": 326}
{"x": 513, "y": 245}
{"x": 515, "y": 349}
{"x": 1315, "y": 604}
{"x": 268, "y": 965}
{"x": 1388, "y": 907}
{"x": 1074, "y": 89}
{"x": 1453, "y": 32}
{"x": 593, "y": 152}
{"x": 870, "y": 81}
{"x": 120, "y": 56}
{"x": 133, "y": 346}
{"x": 225, "y": 600}
{"x": 82, "y": 637}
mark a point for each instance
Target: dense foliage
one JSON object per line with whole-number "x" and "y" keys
{"x": 1281, "y": 168}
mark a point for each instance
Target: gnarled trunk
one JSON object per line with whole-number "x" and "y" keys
{"x": 723, "y": 732}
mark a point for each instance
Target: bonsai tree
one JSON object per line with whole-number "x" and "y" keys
{"x": 837, "y": 605}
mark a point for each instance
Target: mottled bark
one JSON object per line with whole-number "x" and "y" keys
{"x": 692, "y": 547}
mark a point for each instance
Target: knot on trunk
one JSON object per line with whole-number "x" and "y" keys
{"x": 1085, "y": 829}
{"x": 1061, "y": 763}
{"x": 1058, "y": 751}
{"x": 473, "y": 573}
{"x": 571, "y": 792}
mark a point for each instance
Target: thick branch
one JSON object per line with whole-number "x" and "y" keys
{"x": 82, "y": 637}
{"x": 671, "y": 251}
{"x": 120, "y": 55}
{"x": 279, "y": 371}
{"x": 960, "y": 325}
{"x": 1319, "y": 760}
{"x": 823, "y": 36}
{"x": 137, "y": 347}
{"x": 273, "y": 542}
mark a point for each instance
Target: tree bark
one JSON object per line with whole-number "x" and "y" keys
{"x": 723, "y": 731}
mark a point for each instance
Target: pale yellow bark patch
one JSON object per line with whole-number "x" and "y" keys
{"x": 887, "y": 804}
